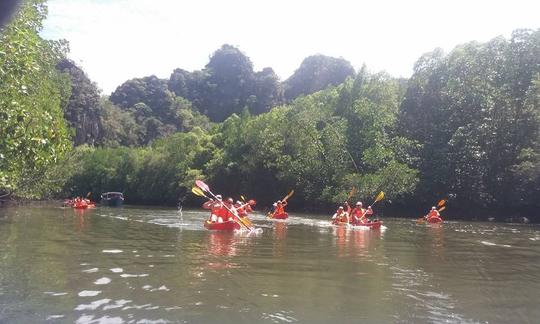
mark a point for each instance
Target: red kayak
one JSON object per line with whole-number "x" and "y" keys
{"x": 225, "y": 226}
{"x": 80, "y": 205}
{"x": 434, "y": 220}
{"x": 371, "y": 225}
{"x": 281, "y": 216}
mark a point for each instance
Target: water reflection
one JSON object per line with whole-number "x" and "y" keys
{"x": 355, "y": 241}
{"x": 280, "y": 242}
{"x": 221, "y": 243}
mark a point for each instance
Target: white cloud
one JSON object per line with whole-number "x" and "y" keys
{"x": 117, "y": 40}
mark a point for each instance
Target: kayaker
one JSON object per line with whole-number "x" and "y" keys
{"x": 433, "y": 213}
{"x": 341, "y": 216}
{"x": 241, "y": 210}
{"x": 359, "y": 214}
{"x": 216, "y": 209}
{"x": 229, "y": 209}
{"x": 280, "y": 207}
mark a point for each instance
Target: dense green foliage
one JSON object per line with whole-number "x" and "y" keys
{"x": 156, "y": 111}
{"x": 157, "y": 174}
{"x": 33, "y": 133}
{"x": 304, "y": 146}
{"x": 83, "y": 112}
{"x": 476, "y": 112}
{"x": 466, "y": 126}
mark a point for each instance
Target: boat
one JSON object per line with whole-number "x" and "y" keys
{"x": 372, "y": 225}
{"x": 434, "y": 220}
{"x": 280, "y": 216}
{"x": 112, "y": 198}
{"x": 225, "y": 226}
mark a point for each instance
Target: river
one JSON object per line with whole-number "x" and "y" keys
{"x": 142, "y": 265}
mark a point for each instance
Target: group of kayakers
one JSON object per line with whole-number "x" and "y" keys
{"x": 226, "y": 210}
{"x": 354, "y": 216}
{"x": 227, "y": 215}
{"x": 79, "y": 203}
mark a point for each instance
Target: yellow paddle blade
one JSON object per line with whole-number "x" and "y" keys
{"x": 288, "y": 195}
{"x": 247, "y": 221}
{"x": 441, "y": 203}
{"x": 198, "y": 192}
{"x": 352, "y": 193}
{"x": 380, "y": 196}
{"x": 243, "y": 198}
{"x": 442, "y": 208}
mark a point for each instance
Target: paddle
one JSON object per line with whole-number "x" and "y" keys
{"x": 289, "y": 195}
{"x": 198, "y": 192}
{"x": 351, "y": 193}
{"x": 203, "y": 186}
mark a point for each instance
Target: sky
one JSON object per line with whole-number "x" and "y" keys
{"x": 116, "y": 40}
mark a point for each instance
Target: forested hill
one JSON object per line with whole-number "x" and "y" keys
{"x": 159, "y": 107}
{"x": 465, "y": 126}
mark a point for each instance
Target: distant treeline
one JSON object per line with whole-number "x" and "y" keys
{"x": 465, "y": 126}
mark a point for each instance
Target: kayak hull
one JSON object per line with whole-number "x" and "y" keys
{"x": 371, "y": 225}
{"x": 281, "y": 216}
{"x": 434, "y": 220}
{"x": 225, "y": 226}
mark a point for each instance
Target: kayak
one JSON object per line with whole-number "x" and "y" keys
{"x": 371, "y": 225}
{"x": 80, "y": 205}
{"x": 281, "y": 216}
{"x": 434, "y": 220}
{"x": 225, "y": 226}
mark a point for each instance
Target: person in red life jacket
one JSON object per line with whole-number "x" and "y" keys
{"x": 241, "y": 210}
{"x": 228, "y": 210}
{"x": 216, "y": 209}
{"x": 248, "y": 208}
{"x": 280, "y": 207}
{"x": 433, "y": 213}
{"x": 341, "y": 216}
{"x": 359, "y": 214}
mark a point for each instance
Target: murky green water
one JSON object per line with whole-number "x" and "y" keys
{"x": 134, "y": 265}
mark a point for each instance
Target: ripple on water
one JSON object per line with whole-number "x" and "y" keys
{"x": 52, "y": 293}
{"x": 117, "y": 304}
{"x": 281, "y": 316}
{"x": 112, "y": 251}
{"x": 89, "y": 293}
{"x": 102, "y": 281}
{"x": 127, "y": 275}
{"x": 117, "y": 270}
{"x": 91, "y": 270}
{"x": 93, "y": 305}
{"x": 87, "y": 319}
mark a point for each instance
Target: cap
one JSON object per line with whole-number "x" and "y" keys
{"x": 340, "y": 207}
{"x": 218, "y": 197}
{"x": 359, "y": 203}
